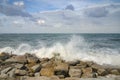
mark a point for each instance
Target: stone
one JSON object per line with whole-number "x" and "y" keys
{"x": 11, "y": 73}
{"x": 72, "y": 78}
{"x": 5, "y": 71}
{"x": 17, "y": 59}
{"x": 4, "y": 56}
{"x": 75, "y": 73}
{"x": 20, "y": 66}
{"x": 37, "y": 74}
{"x": 102, "y": 72}
{"x": 73, "y": 63}
{"x": 32, "y": 58}
{"x": 115, "y": 72}
{"x": 88, "y": 73}
{"x": 20, "y": 72}
{"x": 61, "y": 69}
{"x": 47, "y": 71}
{"x": 54, "y": 78}
{"x": 38, "y": 78}
{"x": 87, "y": 70}
{"x": 36, "y": 68}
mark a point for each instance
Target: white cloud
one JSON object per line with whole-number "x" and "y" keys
{"x": 19, "y": 3}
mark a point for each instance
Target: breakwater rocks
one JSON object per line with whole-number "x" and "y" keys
{"x": 30, "y": 67}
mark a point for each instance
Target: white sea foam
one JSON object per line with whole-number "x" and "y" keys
{"x": 75, "y": 49}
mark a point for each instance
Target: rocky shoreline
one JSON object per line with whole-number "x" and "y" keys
{"x": 30, "y": 67}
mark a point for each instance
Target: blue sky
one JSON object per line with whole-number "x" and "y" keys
{"x": 51, "y": 16}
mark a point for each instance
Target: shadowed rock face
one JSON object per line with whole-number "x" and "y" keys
{"x": 29, "y": 67}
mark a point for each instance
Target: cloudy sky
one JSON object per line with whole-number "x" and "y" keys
{"x": 59, "y": 16}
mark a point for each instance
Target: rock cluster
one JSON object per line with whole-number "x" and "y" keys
{"x": 29, "y": 67}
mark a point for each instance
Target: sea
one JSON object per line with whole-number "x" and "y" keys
{"x": 99, "y": 48}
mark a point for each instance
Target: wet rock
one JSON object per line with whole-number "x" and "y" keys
{"x": 36, "y": 68}
{"x": 17, "y": 59}
{"x": 102, "y": 72}
{"x": 115, "y": 72}
{"x": 4, "y": 56}
{"x": 61, "y": 69}
{"x": 20, "y": 72}
{"x": 75, "y": 73}
{"x": 73, "y": 63}
{"x": 47, "y": 71}
{"x": 32, "y": 58}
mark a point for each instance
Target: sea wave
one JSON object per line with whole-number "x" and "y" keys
{"x": 77, "y": 48}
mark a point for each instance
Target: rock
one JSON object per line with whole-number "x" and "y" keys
{"x": 11, "y": 73}
{"x": 20, "y": 66}
{"x": 88, "y": 73}
{"x": 87, "y": 70}
{"x": 115, "y": 72}
{"x": 82, "y": 64}
{"x": 38, "y": 78}
{"x": 3, "y": 76}
{"x": 75, "y": 73}
{"x": 72, "y": 78}
{"x": 61, "y": 76}
{"x": 96, "y": 66}
{"x": 20, "y": 72}
{"x": 61, "y": 69}
{"x": 47, "y": 64}
{"x": 73, "y": 63}
{"x": 54, "y": 78}
{"x": 31, "y": 58}
{"x": 17, "y": 59}
{"x": 37, "y": 74}
{"x": 102, "y": 72}
{"x": 47, "y": 71}
{"x": 36, "y": 68}
{"x": 5, "y": 71}
{"x": 4, "y": 56}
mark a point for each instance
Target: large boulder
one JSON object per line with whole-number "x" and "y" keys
{"x": 47, "y": 71}
{"x": 20, "y": 72}
{"x": 115, "y": 72}
{"x": 31, "y": 58}
{"x": 88, "y": 73}
{"x": 4, "y": 56}
{"x": 102, "y": 72}
{"x": 61, "y": 69}
{"x": 36, "y": 68}
{"x": 5, "y": 71}
{"x": 75, "y": 73}
{"x": 17, "y": 59}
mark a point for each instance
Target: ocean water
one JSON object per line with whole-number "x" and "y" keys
{"x": 100, "y": 48}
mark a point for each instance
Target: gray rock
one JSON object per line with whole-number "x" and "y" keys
{"x": 20, "y": 72}
{"x": 11, "y": 73}
{"x": 37, "y": 74}
{"x": 17, "y": 59}
{"x": 19, "y": 66}
{"x": 4, "y": 56}
{"x": 5, "y": 71}
{"x": 75, "y": 73}
{"x": 36, "y": 68}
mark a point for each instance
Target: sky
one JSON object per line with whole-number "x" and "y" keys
{"x": 59, "y": 16}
